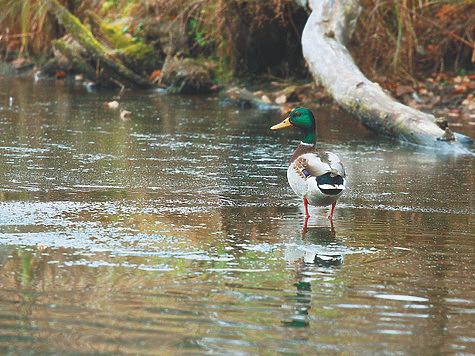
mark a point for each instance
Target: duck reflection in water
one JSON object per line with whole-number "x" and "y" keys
{"x": 315, "y": 254}
{"x": 317, "y": 246}
{"x": 304, "y": 230}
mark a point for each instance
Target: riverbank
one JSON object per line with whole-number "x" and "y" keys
{"x": 252, "y": 56}
{"x": 448, "y": 97}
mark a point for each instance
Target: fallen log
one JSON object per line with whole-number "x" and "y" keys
{"x": 324, "y": 37}
{"x": 112, "y": 66}
{"x": 78, "y": 63}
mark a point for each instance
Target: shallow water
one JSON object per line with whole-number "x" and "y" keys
{"x": 175, "y": 232}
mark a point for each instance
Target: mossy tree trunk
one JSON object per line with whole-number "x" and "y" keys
{"x": 326, "y": 32}
{"x": 78, "y": 62}
{"x": 110, "y": 66}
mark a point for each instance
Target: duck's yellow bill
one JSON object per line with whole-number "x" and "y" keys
{"x": 285, "y": 123}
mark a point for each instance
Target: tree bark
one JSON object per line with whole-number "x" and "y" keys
{"x": 324, "y": 37}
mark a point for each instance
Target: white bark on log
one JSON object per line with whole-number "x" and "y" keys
{"x": 323, "y": 41}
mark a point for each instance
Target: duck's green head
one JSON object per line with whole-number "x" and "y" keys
{"x": 304, "y": 120}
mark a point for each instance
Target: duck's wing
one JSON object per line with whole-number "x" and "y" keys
{"x": 318, "y": 164}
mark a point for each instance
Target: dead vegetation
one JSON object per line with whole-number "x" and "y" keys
{"x": 410, "y": 38}
{"x": 422, "y": 51}
{"x": 403, "y": 38}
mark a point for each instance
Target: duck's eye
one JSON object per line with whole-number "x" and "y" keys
{"x": 297, "y": 114}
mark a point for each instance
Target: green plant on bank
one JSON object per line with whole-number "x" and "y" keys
{"x": 198, "y": 34}
{"x": 246, "y": 37}
{"x": 208, "y": 41}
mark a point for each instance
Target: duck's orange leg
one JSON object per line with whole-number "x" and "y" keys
{"x": 333, "y": 208}
{"x": 304, "y": 231}
{"x": 305, "y": 204}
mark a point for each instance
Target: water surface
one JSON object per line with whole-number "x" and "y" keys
{"x": 175, "y": 232}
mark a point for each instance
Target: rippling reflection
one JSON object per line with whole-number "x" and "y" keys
{"x": 314, "y": 255}
{"x": 176, "y": 232}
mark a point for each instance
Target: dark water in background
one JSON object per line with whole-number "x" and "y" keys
{"x": 175, "y": 232}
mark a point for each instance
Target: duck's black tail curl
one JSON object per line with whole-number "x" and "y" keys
{"x": 330, "y": 185}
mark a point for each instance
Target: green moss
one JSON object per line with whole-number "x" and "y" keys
{"x": 78, "y": 30}
{"x": 141, "y": 55}
{"x": 138, "y": 50}
{"x": 121, "y": 7}
{"x": 131, "y": 46}
{"x": 116, "y": 38}
{"x": 108, "y": 5}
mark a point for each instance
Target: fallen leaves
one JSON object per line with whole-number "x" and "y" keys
{"x": 442, "y": 95}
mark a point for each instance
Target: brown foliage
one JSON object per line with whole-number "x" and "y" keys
{"x": 404, "y": 37}
{"x": 394, "y": 37}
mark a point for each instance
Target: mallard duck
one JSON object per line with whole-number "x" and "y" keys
{"x": 318, "y": 178}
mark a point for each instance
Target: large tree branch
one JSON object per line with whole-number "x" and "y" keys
{"x": 323, "y": 41}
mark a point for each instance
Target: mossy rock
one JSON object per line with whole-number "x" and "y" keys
{"x": 186, "y": 76}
